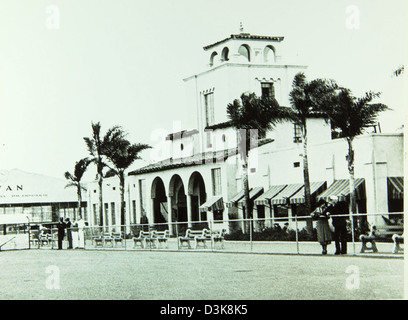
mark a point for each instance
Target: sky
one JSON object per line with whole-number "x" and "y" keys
{"x": 67, "y": 63}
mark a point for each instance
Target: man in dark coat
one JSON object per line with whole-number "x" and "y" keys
{"x": 68, "y": 225}
{"x": 340, "y": 226}
{"x": 61, "y": 232}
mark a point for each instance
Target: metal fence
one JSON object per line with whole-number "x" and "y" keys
{"x": 15, "y": 236}
{"x": 284, "y": 235}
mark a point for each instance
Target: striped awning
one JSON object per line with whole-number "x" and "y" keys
{"x": 396, "y": 187}
{"x": 283, "y": 196}
{"x": 315, "y": 188}
{"x": 233, "y": 202}
{"x": 341, "y": 189}
{"x": 268, "y": 195}
{"x": 254, "y": 193}
{"x": 213, "y": 203}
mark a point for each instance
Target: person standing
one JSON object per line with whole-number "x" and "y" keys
{"x": 61, "y": 232}
{"x": 74, "y": 229}
{"x": 81, "y": 238}
{"x": 321, "y": 215}
{"x": 69, "y": 233}
{"x": 340, "y": 212}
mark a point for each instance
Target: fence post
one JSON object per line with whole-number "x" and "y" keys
{"x": 29, "y": 236}
{"x": 250, "y": 233}
{"x": 177, "y": 240}
{"x": 149, "y": 237}
{"x": 352, "y": 233}
{"x": 297, "y": 235}
{"x": 211, "y": 235}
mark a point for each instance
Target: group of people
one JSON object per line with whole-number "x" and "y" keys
{"x": 76, "y": 236}
{"x": 332, "y": 211}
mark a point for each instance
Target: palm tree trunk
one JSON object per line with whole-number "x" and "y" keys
{"x": 350, "y": 166}
{"x": 79, "y": 200}
{"x": 100, "y": 182}
{"x": 308, "y": 201}
{"x": 243, "y": 150}
{"x": 247, "y": 202}
{"x": 122, "y": 200}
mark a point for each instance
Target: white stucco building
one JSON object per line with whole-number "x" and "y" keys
{"x": 199, "y": 177}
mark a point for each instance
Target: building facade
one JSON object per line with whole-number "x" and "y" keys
{"x": 40, "y": 198}
{"x": 198, "y": 178}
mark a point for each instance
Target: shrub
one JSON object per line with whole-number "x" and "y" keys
{"x": 272, "y": 234}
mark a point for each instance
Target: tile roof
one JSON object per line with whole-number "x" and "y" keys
{"x": 198, "y": 159}
{"x": 181, "y": 134}
{"x": 245, "y": 36}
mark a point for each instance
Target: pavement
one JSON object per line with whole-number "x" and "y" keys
{"x": 191, "y": 275}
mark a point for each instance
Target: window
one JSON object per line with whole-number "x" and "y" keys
{"x": 244, "y": 51}
{"x": 269, "y": 54}
{"x": 106, "y": 213}
{"x": 224, "y": 54}
{"x": 335, "y": 132}
{"x": 209, "y": 138}
{"x": 296, "y": 164}
{"x": 113, "y": 213}
{"x": 218, "y": 215}
{"x": 85, "y": 213}
{"x": 209, "y": 108}
{"x": 297, "y": 133}
{"x": 216, "y": 181}
{"x": 261, "y": 212}
{"x": 96, "y": 215}
{"x": 214, "y": 58}
{"x": 268, "y": 90}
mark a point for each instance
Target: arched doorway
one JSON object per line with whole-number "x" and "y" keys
{"x": 159, "y": 198}
{"x": 178, "y": 200}
{"x": 197, "y": 194}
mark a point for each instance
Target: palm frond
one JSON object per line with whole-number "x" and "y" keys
{"x": 69, "y": 176}
{"x": 90, "y": 145}
{"x": 70, "y": 184}
{"x": 351, "y": 115}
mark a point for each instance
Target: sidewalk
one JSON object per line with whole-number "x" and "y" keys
{"x": 385, "y": 249}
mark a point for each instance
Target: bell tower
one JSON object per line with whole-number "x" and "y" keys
{"x": 245, "y": 48}
{"x": 240, "y": 63}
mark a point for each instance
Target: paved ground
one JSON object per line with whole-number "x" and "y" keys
{"x": 97, "y": 274}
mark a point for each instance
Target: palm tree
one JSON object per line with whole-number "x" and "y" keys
{"x": 305, "y": 99}
{"x": 252, "y": 117}
{"x": 95, "y": 149}
{"x": 75, "y": 180}
{"x": 121, "y": 154}
{"x": 351, "y": 116}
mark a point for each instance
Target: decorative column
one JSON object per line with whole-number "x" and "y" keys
{"x": 170, "y": 214}
{"x": 189, "y": 218}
